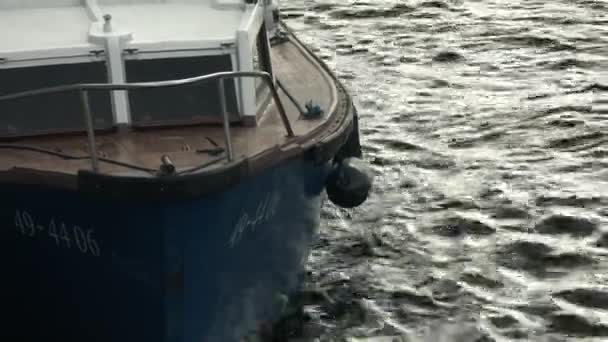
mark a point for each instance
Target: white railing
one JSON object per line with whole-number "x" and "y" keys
{"x": 84, "y": 89}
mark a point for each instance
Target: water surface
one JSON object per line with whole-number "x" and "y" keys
{"x": 489, "y": 220}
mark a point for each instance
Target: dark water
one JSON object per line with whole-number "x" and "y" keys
{"x": 489, "y": 220}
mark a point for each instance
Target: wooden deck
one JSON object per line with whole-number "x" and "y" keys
{"x": 300, "y": 74}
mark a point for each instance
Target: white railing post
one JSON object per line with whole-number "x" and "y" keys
{"x": 84, "y": 96}
{"x": 113, "y": 39}
{"x": 226, "y": 119}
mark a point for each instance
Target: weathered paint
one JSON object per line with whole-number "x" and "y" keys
{"x": 199, "y": 270}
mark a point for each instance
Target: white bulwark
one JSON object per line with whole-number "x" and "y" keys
{"x": 36, "y": 33}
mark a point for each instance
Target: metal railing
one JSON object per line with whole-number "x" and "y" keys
{"x": 84, "y": 89}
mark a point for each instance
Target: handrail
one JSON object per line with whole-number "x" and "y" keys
{"x": 84, "y": 88}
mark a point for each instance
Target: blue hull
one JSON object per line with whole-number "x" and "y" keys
{"x": 81, "y": 268}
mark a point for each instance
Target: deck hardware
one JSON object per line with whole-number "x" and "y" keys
{"x": 3, "y": 60}
{"x": 216, "y": 150}
{"x": 107, "y": 23}
{"x": 96, "y": 53}
{"x": 279, "y": 37}
{"x": 166, "y": 166}
{"x": 212, "y": 142}
{"x": 313, "y": 111}
{"x": 131, "y": 51}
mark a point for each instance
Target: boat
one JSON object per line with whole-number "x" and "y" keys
{"x": 163, "y": 165}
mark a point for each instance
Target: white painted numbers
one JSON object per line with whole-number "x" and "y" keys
{"x": 265, "y": 210}
{"x": 61, "y": 234}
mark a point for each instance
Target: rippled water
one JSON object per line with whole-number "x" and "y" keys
{"x": 489, "y": 220}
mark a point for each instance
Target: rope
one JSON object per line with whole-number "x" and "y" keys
{"x": 313, "y": 111}
{"x": 72, "y": 157}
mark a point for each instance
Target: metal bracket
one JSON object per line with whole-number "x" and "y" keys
{"x": 131, "y": 51}
{"x": 96, "y": 53}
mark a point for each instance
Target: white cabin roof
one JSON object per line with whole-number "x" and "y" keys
{"x": 176, "y": 22}
{"x": 35, "y": 33}
{"x": 62, "y": 28}
{"x": 40, "y": 29}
